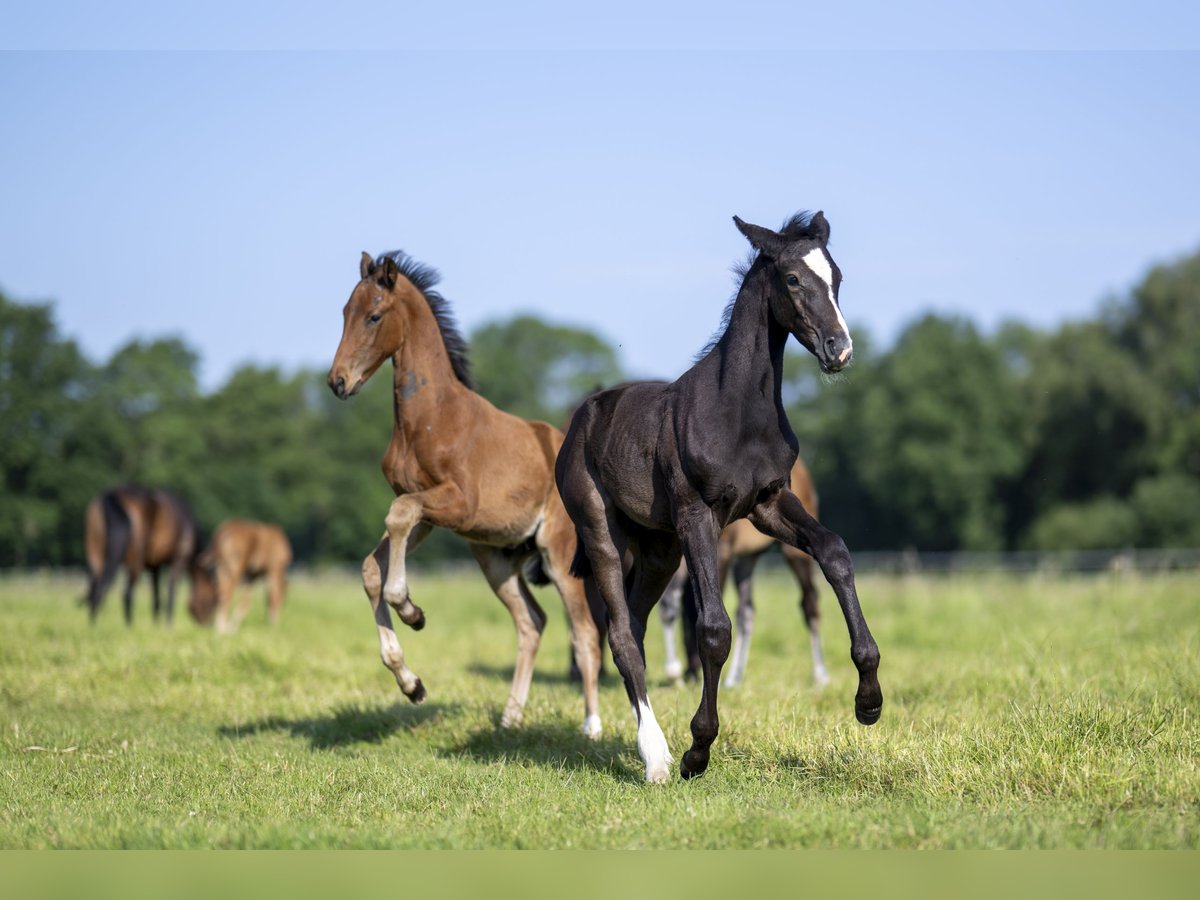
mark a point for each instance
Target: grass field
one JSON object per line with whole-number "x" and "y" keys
{"x": 1019, "y": 712}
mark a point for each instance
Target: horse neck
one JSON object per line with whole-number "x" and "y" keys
{"x": 749, "y": 356}
{"x": 423, "y": 379}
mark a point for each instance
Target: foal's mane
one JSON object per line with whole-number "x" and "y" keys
{"x": 798, "y": 227}
{"x": 424, "y": 278}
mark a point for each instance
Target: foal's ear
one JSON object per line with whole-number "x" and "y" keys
{"x": 366, "y": 265}
{"x": 819, "y": 226}
{"x": 388, "y": 273}
{"x": 764, "y": 240}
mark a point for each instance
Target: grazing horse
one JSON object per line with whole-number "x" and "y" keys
{"x": 138, "y": 528}
{"x": 240, "y": 552}
{"x": 660, "y": 470}
{"x": 457, "y": 462}
{"x": 739, "y": 549}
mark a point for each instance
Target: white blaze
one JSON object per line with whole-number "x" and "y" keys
{"x": 818, "y": 263}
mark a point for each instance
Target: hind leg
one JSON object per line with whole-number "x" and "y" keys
{"x": 503, "y": 574}
{"x": 172, "y": 583}
{"x": 131, "y": 577}
{"x": 698, "y": 535}
{"x": 276, "y": 585}
{"x": 556, "y": 542}
{"x": 743, "y": 575}
{"x": 669, "y": 610}
{"x": 801, "y": 565}
{"x": 154, "y": 587}
{"x": 603, "y": 543}
{"x": 374, "y": 571}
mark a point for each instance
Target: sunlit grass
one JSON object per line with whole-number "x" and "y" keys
{"x": 1019, "y": 712}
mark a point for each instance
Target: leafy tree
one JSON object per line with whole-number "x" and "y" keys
{"x": 42, "y": 377}
{"x": 943, "y": 436}
{"x": 1100, "y": 523}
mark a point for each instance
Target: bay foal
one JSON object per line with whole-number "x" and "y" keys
{"x": 457, "y": 462}
{"x": 660, "y": 470}
{"x": 240, "y": 552}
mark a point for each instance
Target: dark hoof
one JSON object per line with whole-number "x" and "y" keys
{"x": 868, "y": 716}
{"x": 419, "y": 622}
{"x": 418, "y": 694}
{"x": 693, "y": 763}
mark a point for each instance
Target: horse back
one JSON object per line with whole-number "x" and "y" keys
{"x": 168, "y": 528}
{"x": 252, "y": 548}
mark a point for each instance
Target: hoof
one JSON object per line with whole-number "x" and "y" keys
{"x": 693, "y": 763}
{"x": 658, "y": 775}
{"x": 512, "y": 717}
{"x": 868, "y": 716}
{"x": 591, "y": 728}
{"x": 674, "y": 670}
{"x": 419, "y": 622}
{"x": 417, "y": 694}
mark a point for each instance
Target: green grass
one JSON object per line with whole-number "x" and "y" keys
{"x": 1019, "y": 712}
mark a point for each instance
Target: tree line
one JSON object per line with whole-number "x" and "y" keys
{"x": 1083, "y": 437}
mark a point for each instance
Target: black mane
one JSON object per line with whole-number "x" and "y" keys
{"x": 799, "y": 227}
{"x": 424, "y": 278}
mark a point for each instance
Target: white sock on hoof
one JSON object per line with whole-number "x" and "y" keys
{"x": 652, "y": 745}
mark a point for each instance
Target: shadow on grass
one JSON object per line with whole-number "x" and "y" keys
{"x": 346, "y": 725}
{"x": 557, "y": 746}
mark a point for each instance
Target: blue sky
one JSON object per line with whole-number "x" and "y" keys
{"x": 218, "y": 175}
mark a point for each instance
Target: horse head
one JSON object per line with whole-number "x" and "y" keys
{"x": 373, "y": 325}
{"x": 804, "y": 286}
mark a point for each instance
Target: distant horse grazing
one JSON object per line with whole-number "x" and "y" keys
{"x": 138, "y": 528}
{"x": 240, "y": 552}
{"x": 457, "y": 462}
{"x": 739, "y": 549}
{"x": 660, "y": 470}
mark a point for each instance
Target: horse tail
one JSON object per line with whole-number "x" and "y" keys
{"x": 581, "y": 566}
{"x": 108, "y": 534}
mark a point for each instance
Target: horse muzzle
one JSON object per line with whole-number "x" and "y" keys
{"x": 836, "y": 353}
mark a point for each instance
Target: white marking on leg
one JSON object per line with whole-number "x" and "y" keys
{"x": 591, "y": 727}
{"x": 820, "y": 674}
{"x": 392, "y": 655}
{"x": 673, "y": 667}
{"x": 741, "y": 652}
{"x": 652, "y": 745}
{"x": 817, "y": 261}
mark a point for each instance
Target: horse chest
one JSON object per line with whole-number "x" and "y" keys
{"x": 731, "y": 483}
{"x": 403, "y": 468}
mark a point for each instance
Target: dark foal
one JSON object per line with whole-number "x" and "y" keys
{"x": 138, "y": 528}
{"x": 659, "y": 470}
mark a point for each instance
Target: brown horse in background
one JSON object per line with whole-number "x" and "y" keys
{"x": 739, "y": 548}
{"x": 241, "y": 551}
{"x": 138, "y": 528}
{"x": 457, "y": 462}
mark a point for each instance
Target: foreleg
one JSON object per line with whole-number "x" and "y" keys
{"x": 783, "y": 517}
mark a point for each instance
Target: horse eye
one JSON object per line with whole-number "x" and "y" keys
{"x": 375, "y": 318}
{"x": 793, "y": 281}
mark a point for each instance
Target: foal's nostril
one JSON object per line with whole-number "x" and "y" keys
{"x": 338, "y": 387}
